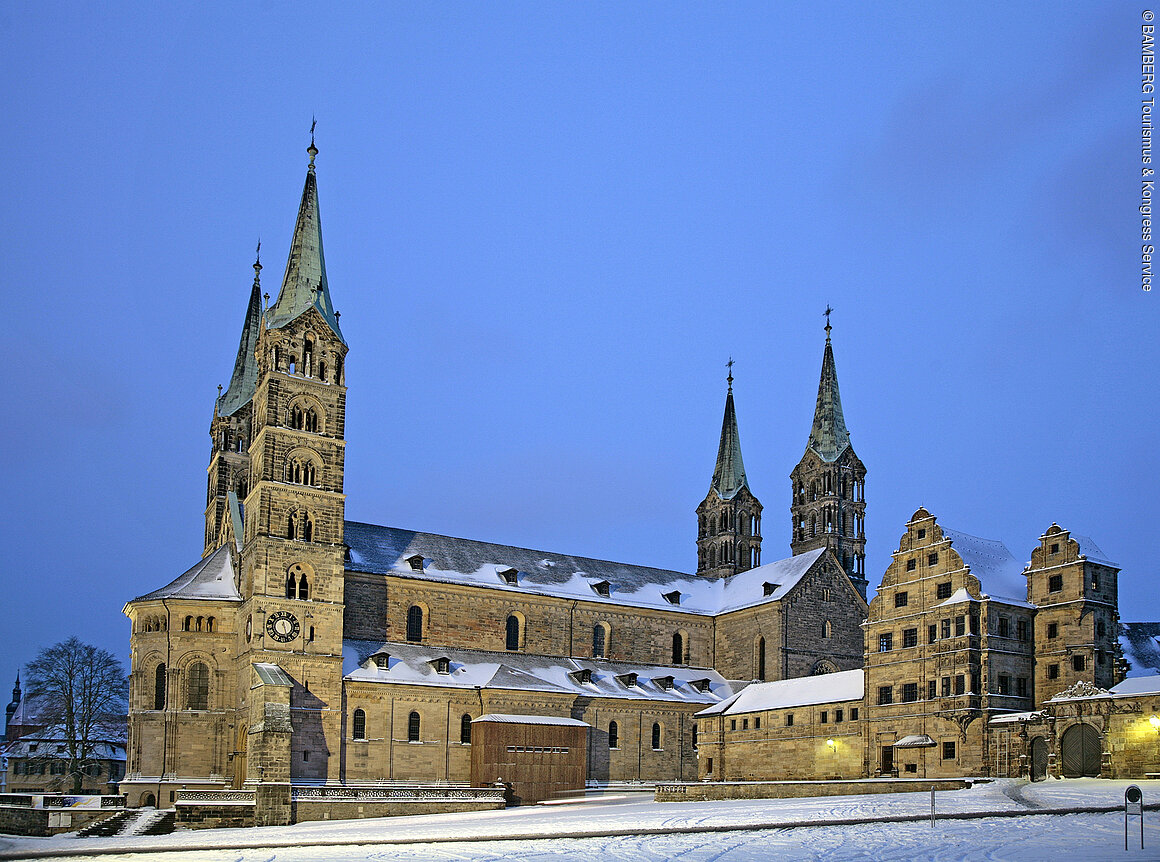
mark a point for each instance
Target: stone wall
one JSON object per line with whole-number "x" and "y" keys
{"x": 703, "y": 792}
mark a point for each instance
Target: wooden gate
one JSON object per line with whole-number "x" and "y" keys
{"x": 1081, "y": 751}
{"x": 1038, "y": 758}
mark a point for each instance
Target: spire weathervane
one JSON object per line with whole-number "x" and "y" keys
{"x": 312, "y": 150}
{"x": 729, "y": 365}
{"x": 258, "y": 262}
{"x": 829, "y": 310}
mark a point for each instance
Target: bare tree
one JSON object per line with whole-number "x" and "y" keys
{"x": 81, "y": 694}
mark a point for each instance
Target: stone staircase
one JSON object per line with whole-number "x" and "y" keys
{"x": 136, "y": 821}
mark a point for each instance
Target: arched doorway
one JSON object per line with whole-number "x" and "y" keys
{"x": 149, "y": 801}
{"x": 239, "y": 755}
{"x": 1081, "y": 751}
{"x": 1038, "y": 758}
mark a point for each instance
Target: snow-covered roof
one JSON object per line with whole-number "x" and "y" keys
{"x": 915, "y": 740}
{"x": 1137, "y": 685}
{"x": 999, "y": 573}
{"x": 1140, "y": 643}
{"x": 1091, "y": 550}
{"x": 416, "y": 664}
{"x": 1013, "y": 717}
{"x": 389, "y": 550}
{"x": 957, "y": 597}
{"x": 211, "y": 579}
{"x": 837, "y": 687}
{"x": 44, "y": 745}
{"x": 502, "y": 718}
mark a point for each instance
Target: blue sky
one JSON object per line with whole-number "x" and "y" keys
{"x": 547, "y": 227}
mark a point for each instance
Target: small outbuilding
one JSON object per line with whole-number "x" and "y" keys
{"x": 536, "y": 756}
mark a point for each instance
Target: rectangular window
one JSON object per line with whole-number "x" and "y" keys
{"x": 885, "y": 695}
{"x": 974, "y": 624}
{"x": 960, "y": 626}
{"x": 1004, "y": 684}
{"x": 910, "y": 637}
{"x": 932, "y": 689}
{"x": 732, "y": 724}
{"x": 838, "y": 715}
{"x": 945, "y": 625}
{"x": 900, "y": 599}
{"x": 745, "y": 724}
{"x": 789, "y": 719}
{"x": 1021, "y": 630}
{"x": 932, "y": 559}
{"x": 1095, "y": 581}
{"x": 960, "y": 684}
{"x": 974, "y": 683}
{"x": 825, "y": 718}
{"x": 910, "y": 565}
{"x": 931, "y": 634}
{"x": 1077, "y": 662}
{"x": 911, "y": 767}
{"x": 757, "y": 723}
{"x": 1004, "y": 627}
{"x": 1021, "y": 686}
{"x": 909, "y": 692}
{"x": 946, "y": 686}
{"x": 1053, "y": 630}
{"x": 1055, "y": 584}
{"x": 922, "y": 533}
{"x": 885, "y": 642}
{"x": 1053, "y": 671}
{"x": 948, "y": 751}
{"x": 944, "y": 590}
{"x": 853, "y": 713}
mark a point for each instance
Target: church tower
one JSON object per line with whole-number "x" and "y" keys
{"x": 291, "y": 573}
{"x": 729, "y": 518}
{"x": 828, "y": 485}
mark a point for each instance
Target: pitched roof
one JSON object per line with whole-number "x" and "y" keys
{"x": 415, "y": 664}
{"x": 244, "y": 380}
{"x": 212, "y": 578}
{"x": 1000, "y": 574}
{"x": 1140, "y": 643}
{"x": 304, "y": 283}
{"x": 388, "y": 550}
{"x": 837, "y": 687}
{"x": 729, "y": 473}
{"x": 504, "y": 718}
{"x": 828, "y": 436}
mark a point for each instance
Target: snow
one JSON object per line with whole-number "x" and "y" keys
{"x": 623, "y": 829}
{"x": 803, "y": 691}
{"x": 999, "y": 573}
{"x": 503, "y": 718}
{"x": 957, "y": 597}
{"x": 1137, "y": 685}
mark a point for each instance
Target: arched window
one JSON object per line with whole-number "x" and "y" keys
{"x": 613, "y": 735}
{"x": 307, "y": 529}
{"x": 197, "y": 686}
{"x": 297, "y": 418}
{"x": 291, "y": 592}
{"x": 290, "y": 531}
{"x": 694, "y": 736}
{"x": 656, "y": 737}
{"x": 513, "y": 633}
{"x": 199, "y": 623}
{"x": 307, "y": 355}
{"x": 827, "y": 629}
{"x": 303, "y": 587}
{"x": 813, "y": 525}
{"x": 311, "y": 420}
{"x": 188, "y": 624}
{"x": 301, "y": 471}
{"x": 600, "y": 641}
{"x": 724, "y": 521}
{"x": 678, "y": 648}
{"x": 712, "y": 556}
{"x": 760, "y": 658}
{"x": 465, "y": 729}
{"x": 414, "y": 623}
{"x": 322, "y": 371}
{"x": 413, "y": 727}
{"x": 338, "y": 369}
{"x": 159, "y": 687}
{"x": 358, "y": 725}
{"x": 209, "y": 624}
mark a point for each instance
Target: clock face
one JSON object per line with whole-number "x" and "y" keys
{"x": 282, "y": 626}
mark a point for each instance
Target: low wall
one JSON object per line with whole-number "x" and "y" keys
{"x": 705, "y": 791}
{"x": 214, "y": 809}
{"x": 23, "y": 820}
{"x": 353, "y": 803}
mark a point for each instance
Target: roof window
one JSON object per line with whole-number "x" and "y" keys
{"x": 665, "y": 682}
{"x": 441, "y": 664}
{"x": 583, "y": 675}
{"x": 510, "y": 576}
{"x": 627, "y": 679}
{"x": 602, "y": 588}
{"x": 768, "y": 589}
{"x": 381, "y": 660}
{"x": 416, "y": 562}
{"x": 673, "y": 598}
{"x": 701, "y": 684}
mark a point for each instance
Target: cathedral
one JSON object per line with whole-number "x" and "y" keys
{"x": 304, "y": 649}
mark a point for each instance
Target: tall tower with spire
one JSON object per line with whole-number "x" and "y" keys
{"x": 729, "y": 518}
{"x": 828, "y": 502}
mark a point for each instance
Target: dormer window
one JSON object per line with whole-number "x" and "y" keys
{"x": 441, "y": 664}
{"x": 416, "y": 562}
{"x": 583, "y": 675}
{"x": 381, "y": 660}
{"x": 701, "y": 684}
{"x": 673, "y": 598}
{"x": 509, "y": 576}
{"x": 768, "y": 589}
{"x": 627, "y": 679}
{"x": 665, "y": 682}
{"x": 602, "y": 588}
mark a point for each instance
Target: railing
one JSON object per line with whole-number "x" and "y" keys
{"x": 216, "y": 797}
{"x": 410, "y": 793}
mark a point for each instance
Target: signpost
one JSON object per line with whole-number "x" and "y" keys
{"x": 1133, "y": 804}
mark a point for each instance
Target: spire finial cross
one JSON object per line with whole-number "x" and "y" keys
{"x": 312, "y": 150}
{"x": 729, "y": 365}
{"x": 829, "y": 310}
{"x": 257, "y": 261}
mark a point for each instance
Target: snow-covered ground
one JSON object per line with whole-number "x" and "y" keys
{"x": 632, "y": 828}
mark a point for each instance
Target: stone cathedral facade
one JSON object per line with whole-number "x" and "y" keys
{"x": 306, "y": 649}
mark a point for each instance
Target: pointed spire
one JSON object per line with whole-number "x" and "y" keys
{"x": 304, "y": 284}
{"x": 244, "y": 380}
{"x": 828, "y": 436}
{"x": 729, "y": 474}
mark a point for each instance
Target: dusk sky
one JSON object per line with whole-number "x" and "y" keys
{"x": 547, "y": 227}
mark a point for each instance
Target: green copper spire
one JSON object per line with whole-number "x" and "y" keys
{"x": 729, "y": 474}
{"x": 244, "y": 380}
{"x": 828, "y": 436}
{"x": 304, "y": 284}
